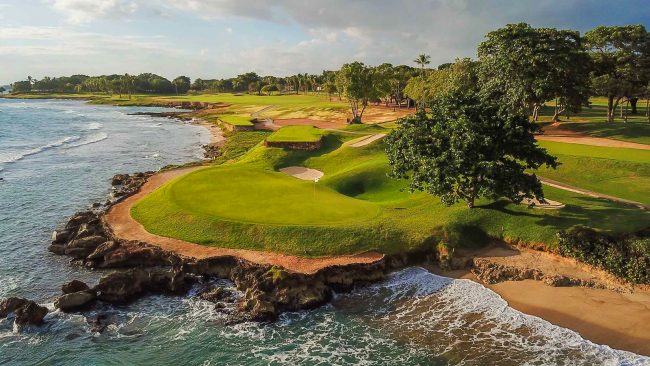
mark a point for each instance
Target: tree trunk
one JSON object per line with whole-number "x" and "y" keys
{"x": 647, "y": 108}
{"x": 611, "y": 107}
{"x": 470, "y": 202}
{"x": 633, "y": 105}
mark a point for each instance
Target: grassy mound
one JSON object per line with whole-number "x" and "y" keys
{"x": 356, "y": 207}
{"x": 296, "y": 134}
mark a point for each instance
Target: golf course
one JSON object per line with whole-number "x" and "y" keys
{"x": 246, "y": 202}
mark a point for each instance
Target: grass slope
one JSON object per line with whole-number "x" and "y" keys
{"x": 296, "y": 134}
{"x": 248, "y": 204}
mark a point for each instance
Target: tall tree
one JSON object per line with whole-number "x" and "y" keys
{"x": 181, "y": 84}
{"x": 525, "y": 67}
{"x": 621, "y": 57}
{"x": 358, "y": 84}
{"x": 423, "y": 60}
{"x": 466, "y": 148}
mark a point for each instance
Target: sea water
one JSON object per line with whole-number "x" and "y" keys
{"x": 56, "y": 158}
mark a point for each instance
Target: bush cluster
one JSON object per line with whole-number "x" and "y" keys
{"x": 627, "y": 256}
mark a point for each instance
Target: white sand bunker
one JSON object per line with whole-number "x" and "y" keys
{"x": 368, "y": 140}
{"x": 303, "y": 173}
{"x": 546, "y": 205}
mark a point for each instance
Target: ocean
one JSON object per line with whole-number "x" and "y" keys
{"x": 57, "y": 157}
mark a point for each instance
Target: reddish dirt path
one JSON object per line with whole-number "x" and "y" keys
{"x": 556, "y": 133}
{"x": 125, "y": 227}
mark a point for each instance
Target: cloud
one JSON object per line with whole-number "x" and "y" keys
{"x": 85, "y": 11}
{"x": 388, "y": 30}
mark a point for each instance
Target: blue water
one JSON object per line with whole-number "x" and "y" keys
{"x": 56, "y": 157}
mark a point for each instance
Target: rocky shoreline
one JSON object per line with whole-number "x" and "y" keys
{"x": 265, "y": 291}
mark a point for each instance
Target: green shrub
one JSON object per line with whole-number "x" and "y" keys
{"x": 627, "y": 257}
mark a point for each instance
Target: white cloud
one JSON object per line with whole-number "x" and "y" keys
{"x": 228, "y": 30}
{"x": 85, "y": 11}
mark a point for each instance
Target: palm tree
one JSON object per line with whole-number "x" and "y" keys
{"x": 423, "y": 60}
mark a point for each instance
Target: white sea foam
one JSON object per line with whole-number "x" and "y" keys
{"x": 450, "y": 315}
{"x": 94, "y": 126}
{"x": 91, "y": 139}
{"x": 14, "y": 156}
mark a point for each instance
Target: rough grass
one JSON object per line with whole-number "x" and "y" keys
{"x": 236, "y": 120}
{"x": 260, "y": 209}
{"x": 296, "y": 134}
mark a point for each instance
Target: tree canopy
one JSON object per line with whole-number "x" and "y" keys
{"x": 621, "y": 58}
{"x": 524, "y": 67}
{"x": 464, "y": 148}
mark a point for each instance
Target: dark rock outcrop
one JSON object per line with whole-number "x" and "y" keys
{"x": 75, "y": 300}
{"x": 126, "y": 286}
{"x": 25, "y": 311}
{"x": 74, "y": 286}
{"x": 490, "y": 272}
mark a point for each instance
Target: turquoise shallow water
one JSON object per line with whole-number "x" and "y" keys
{"x": 56, "y": 157}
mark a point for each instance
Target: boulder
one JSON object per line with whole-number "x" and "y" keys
{"x": 119, "y": 179}
{"x": 136, "y": 254}
{"x": 74, "y": 286}
{"x": 31, "y": 313}
{"x": 74, "y": 300}
{"x": 57, "y": 249}
{"x": 61, "y": 236}
{"x": 89, "y": 242}
{"x": 122, "y": 287}
{"x": 80, "y": 217}
{"x": 102, "y": 250}
{"x": 26, "y": 311}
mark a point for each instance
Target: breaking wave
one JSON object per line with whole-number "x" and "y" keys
{"x": 14, "y": 156}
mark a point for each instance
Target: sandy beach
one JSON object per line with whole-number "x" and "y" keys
{"x": 618, "y": 316}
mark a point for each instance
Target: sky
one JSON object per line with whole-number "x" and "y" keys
{"x": 222, "y": 38}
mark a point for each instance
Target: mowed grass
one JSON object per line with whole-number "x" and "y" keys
{"x": 296, "y": 134}
{"x": 357, "y": 207}
{"x": 236, "y": 120}
{"x": 593, "y": 121}
{"x": 623, "y": 173}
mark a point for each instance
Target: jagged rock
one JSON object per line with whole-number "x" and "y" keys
{"x": 32, "y": 313}
{"x": 122, "y": 287}
{"x": 75, "y": 300}
{"x": 491, "y": 273}
{"x": 119, "y": 179}
{"x": 218, "y": 294}
{"x": 26, "y": 311}
{"x": 57, "y": 249}
{"x": 61, "y": 236}
{"x": 80, "y": 217}
{"x": 102, "y": 250}
{"x": 89, "y": 242}
{"x": 74, "y": 286}
{"x": 136, "y": 254}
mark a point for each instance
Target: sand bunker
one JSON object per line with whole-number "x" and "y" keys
{"x": 303, "y": 173}
{"x": 546, "y": 205}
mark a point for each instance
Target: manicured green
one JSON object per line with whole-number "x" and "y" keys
{"x": 296, "y": 134}
{"x": 249, "y": 204}
{"x": 236, "y": 120}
